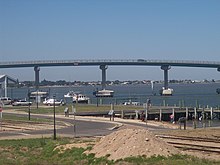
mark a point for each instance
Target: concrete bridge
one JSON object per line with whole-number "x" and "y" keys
{"x": 103, "y": 65}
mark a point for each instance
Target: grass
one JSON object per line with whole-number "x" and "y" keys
{"x": 42, "y": 151}
{"x": 79, "y": 108}
{"x": 14, "y": 117}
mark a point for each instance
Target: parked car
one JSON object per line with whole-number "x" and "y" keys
{"x": 21, "y": 103}
{"x": 6, "y": 100}
{"x": 50, "y": 102}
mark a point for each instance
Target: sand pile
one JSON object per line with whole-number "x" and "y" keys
{"x": 132, "y": 142}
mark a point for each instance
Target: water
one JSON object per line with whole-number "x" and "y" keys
{"x": 194, "y": 95}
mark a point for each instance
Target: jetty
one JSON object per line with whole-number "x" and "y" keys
{"x": 162, "y": 113}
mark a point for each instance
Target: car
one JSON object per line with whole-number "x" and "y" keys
{"x": 21, "y": 103}
{"x": 50, "y": 102}
{"x": 6, "y": 100}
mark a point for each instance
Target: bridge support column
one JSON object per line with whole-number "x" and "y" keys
{"x": 166, "y": 68}
{"x": 103, "y": 68}
{"x": 37, "y": 70}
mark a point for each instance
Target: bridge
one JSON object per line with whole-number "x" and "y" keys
{"x": 103, "y": 64}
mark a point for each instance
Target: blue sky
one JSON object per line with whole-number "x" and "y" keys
{"x": 114, "y": 29}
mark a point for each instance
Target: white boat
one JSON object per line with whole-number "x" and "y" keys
{"x": 51, "y": 102}
{"x": 41, "y": 94}
{"x": 166, "y": 92}
{"x": 104, "y": 93}
{"x": 69, "y": 94}
{"x": 77, "y": 97}
{"x": 134, "y": 103}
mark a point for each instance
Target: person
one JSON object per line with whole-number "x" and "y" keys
{"x": 66, "y": 111}
{"x": 142, "y": 116}
{"x": 171, "y": 118}
{"x": 148, "y": 102}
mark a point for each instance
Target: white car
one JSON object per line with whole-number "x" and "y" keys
{"x": 6, "y": 100}
{"x": 21, "y": 103}
{"x": 51, "y": 102}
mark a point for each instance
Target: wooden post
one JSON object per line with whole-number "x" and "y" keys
{"x": 160, "y": 114}
{"x": 122, "y": 114}
{"x": 203, "y": 117}
{"x": 211, "y": 113}
{"x": 187, "y": 113}
{"x": 195, "y": 113}
{"x": 136, "y": 114}
{"x": 173, "y": 115}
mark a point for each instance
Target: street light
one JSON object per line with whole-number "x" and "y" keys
{"x": 54, "y": 118}
{"x": 29, "y": 108}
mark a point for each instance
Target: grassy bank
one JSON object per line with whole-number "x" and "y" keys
{"x": 79, "y": 108}
{"x": 43, "y": 151}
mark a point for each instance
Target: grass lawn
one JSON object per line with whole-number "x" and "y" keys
{"x": 42, "y": 151}
{"x": 79, "y": 108}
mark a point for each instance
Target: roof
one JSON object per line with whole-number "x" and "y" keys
{"x": 3, "y": 77}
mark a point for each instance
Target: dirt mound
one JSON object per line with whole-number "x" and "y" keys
{"x": 132, "y": 142}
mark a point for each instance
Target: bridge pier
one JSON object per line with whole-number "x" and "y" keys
{"x": 103, "y": 68}
{"x": 165, "y": 68}
{"x": 37, "y": 71}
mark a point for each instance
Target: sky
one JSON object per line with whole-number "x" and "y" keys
{"x": 110, "y": 29}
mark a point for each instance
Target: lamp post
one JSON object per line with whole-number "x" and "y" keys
{"x": 29, "y": 108}
{"x": 54, "y": 118}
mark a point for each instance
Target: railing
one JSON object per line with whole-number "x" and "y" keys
{"x": 115, "y": 61}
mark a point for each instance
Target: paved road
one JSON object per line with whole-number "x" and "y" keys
{"x": 84, "y": 126}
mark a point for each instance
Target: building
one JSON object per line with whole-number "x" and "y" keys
{"x": 4, "y": 81}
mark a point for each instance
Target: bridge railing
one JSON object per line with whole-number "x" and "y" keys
{"x": 119, "y": 61}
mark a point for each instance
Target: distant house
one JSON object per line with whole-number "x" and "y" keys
{"x": 4, "y": 81}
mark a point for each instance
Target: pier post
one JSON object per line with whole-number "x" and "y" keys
{"x": 195, "y": 113}
{"x": 136, "y": 114}
{"x": 165, "y": 68}
{"x": 103, "y": 68}
{"x": 211, "y": 113}
{"x": 187, "y": 113}
{"x": 122, "y": 114}
{"x": 160, "y": 114}
{"x": 203, "y": 118}
{"x": 173, "y": 115}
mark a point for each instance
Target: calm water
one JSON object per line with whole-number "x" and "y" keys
{"x": 184, "y": 94}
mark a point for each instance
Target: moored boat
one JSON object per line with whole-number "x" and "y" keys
{"x": 166, "y": 92}
{"x": 77, "y": 97}
{"x": 41, "y": 94}
{"x": 104, "y": 93}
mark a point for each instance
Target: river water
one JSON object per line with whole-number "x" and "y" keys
{"x": 191, "y": 95}
{"x": 194, "y": 95}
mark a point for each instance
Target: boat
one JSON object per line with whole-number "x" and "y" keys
{"x": 69, "y": 94}
{"x": 166, "y": 92}
{"x": 51, "y": 102}
{"x": 104, "y": 93}
{"x": 41, "y": 94}
{"x": 77, "y": 97}
{"x": 134, "y": 103}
